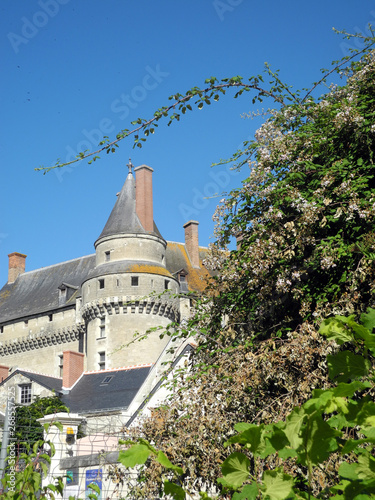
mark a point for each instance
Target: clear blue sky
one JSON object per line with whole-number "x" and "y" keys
{"x": 67, "y": 65}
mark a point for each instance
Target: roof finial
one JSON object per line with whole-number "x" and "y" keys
{"x": 130, "y": 165}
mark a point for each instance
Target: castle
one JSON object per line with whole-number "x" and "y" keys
{"x": 63, "y": 323}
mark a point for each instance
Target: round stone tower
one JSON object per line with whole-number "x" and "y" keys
{"x": 130, "y": 290}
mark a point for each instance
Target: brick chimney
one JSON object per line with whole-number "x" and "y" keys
{"x": 143, "y": 196}
{"x": 17, "y": 263}
{"x": 72, "y": 367}
{"x": 4, "y": 372}
{"x": 191, "y": 241}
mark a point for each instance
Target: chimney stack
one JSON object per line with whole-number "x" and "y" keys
{"x": 72, "y": 367}
{"x": 17, "y": 263}
{"x": 4, "y": 372}
{"x": 143, "y": 196}
{"x": 191, "y": 241}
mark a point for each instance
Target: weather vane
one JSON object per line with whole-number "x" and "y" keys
{"x": 130, "y": 165}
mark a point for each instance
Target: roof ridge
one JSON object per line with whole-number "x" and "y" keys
{"x": 36, "y": 373}
{"x": 58, "y": 264}
{"x": 130, "y": 367}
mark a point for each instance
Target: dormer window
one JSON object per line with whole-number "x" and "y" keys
{"x": 66, "y": 291}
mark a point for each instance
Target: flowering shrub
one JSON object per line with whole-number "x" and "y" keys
{"x": 304, "y": 219}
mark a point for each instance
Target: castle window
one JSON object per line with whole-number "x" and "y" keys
{"x": 107, "y": 256}
{"x": 1, "y": 329}
{"x": 102, "y": 328}
{"x": 101, "y": 360}
{"x": 101, "y": 283}
{"x": 25, "y": 394}
{"x": 134, "y": 280}
{"x": 50, "y": 317}
{"x": 25, "y": 323}
{"x": 166, "y": 284}
{"x": 61, "y": 357}
{"x": 118, "y": 282}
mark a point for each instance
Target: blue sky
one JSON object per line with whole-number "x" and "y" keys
{"x": 73, "y": 70}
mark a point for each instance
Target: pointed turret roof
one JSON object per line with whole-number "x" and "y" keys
{"x": 124, "y": 218}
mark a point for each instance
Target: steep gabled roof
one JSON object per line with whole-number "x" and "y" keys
{"x": 36, "y": 292}
{"x": 51, "y": 383}
{"x": 92, "y": 393}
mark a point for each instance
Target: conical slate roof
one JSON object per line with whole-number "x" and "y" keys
{"x": 124, "y": 218}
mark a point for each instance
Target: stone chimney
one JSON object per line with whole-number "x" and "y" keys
{"x": 72, "y": 367}
{"x": 17, "y": 263}
{"x": 143, "y": 196}
{"x": 191, "y": 242}
{"x": 4, "y": 372}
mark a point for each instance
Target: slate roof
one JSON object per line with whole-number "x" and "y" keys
{"x": 36, "y": 292}
{"x": 123, "y": 218}
{"x": 90, "y": 394}
{"x": 52, "y": 383}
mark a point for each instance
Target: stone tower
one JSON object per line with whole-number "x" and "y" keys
{"x": 130, "y": 289}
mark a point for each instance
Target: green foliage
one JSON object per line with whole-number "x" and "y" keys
{"x": 305, "y": 219}
{"x": 28, "y": 429}
{"x": 139, "y": 453}
{"x": 337, "y": 420}
{"x": 23, "y": 477}
{"x": 213, "y": 89}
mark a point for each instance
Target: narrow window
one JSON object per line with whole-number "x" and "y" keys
{"x": 134, "y": 280}
{"x": 101, "y": 360}
{"x": 118, "y": 282}
{"x": 50, "y": 317}
{"x": 166, "y": 284}
{"x": 102, "y": 328}
{"x": 25, "y": 323}
{"x": 1, "y": 329}
{"x": 107, "y": 256}
{"x": 61, "y": 357}
{"x": 101, "y": 284}
{"x": 25, "y": 394}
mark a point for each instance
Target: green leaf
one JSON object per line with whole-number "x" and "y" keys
{"x": 335, "y": 329}
{"x": 277, "y": 485}
{"x": 135, "y": 455}
{"x": 348, "y": 471}
{"x": 250, "y": 437}
{"x": 368, "y": 319}
{"x": 94, "y": 487}
{"x": 235, "y": 469}
{"x": 293, "y": 426}
{"x": 320, "y": 440}
{"x": 345, "y": 366}
{"x": 248, "y": 492}
{"x": 165, "y": 462}
{"x": 174, "y": 490}
{"x": 366, "y": 467}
